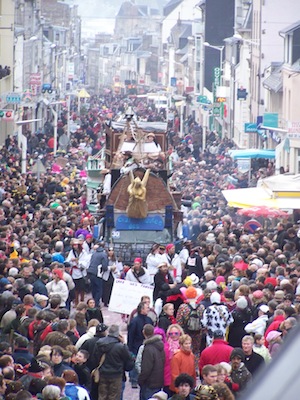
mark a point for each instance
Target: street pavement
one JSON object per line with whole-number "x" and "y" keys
{"x": 115, "y": 318}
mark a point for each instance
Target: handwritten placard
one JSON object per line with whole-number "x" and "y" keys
{"x": 126, "y": 296}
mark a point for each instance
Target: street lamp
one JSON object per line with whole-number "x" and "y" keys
{"x": 220, "y": 49}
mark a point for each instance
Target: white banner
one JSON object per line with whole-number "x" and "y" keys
{"x": 126, "y": 295}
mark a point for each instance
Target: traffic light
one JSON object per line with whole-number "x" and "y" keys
{"x": 6, "y": 114}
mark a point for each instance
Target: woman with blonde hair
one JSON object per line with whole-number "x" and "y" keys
{"x": 174, "y": 332}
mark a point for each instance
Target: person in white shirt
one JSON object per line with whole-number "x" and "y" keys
{"x": 138, "y": 273}
{"x": 79, "y": 261}
{"x": 154, "y": 258}
{"x": 58, "y": 286}
{"x": 260, "y": 323}
{"x": 173, "y": 261}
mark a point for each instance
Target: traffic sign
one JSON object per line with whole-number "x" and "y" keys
{"x": 13, "y": 98}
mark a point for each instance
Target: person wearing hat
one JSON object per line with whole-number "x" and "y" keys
{"x": 117, "y": 360}
{"x": 163, "y": 283}
{"x": 58, "y": 286}
{"x": 274, "y": 339}
{"x": 219, "y": 351}
{"x": 279, "y": 317}
{"x": 239, "y": 373}
{"x": 40, "y": 301}
{"x": 215, "y": 317}
{"x": 242, "y": 315}
{"x": 189, "y": 317}
{"x": 173, "y": 261}
{"x": 151, "y": 377}
{"x": 153, "y": 260}
{"x": 253, "y": 361}
{"x": 260, "y": 323}
{"x": 137, "y": 273}
{"x": 80, "y": 261}
{"x": 106, "y": 187}
{"x": 90, "y": 344}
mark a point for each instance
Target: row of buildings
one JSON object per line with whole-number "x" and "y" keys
{"x": 237, "y": 60}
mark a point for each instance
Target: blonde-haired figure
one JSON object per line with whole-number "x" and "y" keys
{"x": 137, "y": 205}
{"x": 174, "y": 332}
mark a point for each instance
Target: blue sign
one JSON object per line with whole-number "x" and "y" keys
{"x": 150, "y": 223}
{"x": 173, "y": 81}
{"x": 250, "y": 127}
{"x": 259, "y": 122}
{"x": 271, "y": 120}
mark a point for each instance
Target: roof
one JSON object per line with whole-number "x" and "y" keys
{"x": 274, "y": 82}
{"x": 146, "y": 126}
{"x": 282, "y": 183}
{"x": 289, "y": 29}
{"x": 170, "y": 6}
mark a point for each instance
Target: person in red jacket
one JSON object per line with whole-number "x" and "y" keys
{"x": 218, "y": 351}
{"x": 279, "y": 317}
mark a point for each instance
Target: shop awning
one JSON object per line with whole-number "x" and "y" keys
{"x": 244, "y": 198}
{"x": 252, "y": 153}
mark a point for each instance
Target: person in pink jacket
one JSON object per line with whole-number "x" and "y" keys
{"x": 167, "y": 369}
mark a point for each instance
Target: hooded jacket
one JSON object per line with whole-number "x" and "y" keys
{"x": 98, "y": 258}
{"x": 153, "y": 362}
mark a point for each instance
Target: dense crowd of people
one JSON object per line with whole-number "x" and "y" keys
{"x": 224, "y": 299}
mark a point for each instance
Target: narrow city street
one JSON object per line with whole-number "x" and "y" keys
{"x": 114, "y": 318}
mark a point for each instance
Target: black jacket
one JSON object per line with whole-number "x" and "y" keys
{"x": 162, "y": 285}
{"x": 117, "y": 357}
{"x": 153, "y": 361}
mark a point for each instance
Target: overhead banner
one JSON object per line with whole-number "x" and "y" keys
{"x": 126, "y": 296}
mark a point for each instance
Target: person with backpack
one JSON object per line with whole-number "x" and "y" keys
{"x": 72, "y": 388}
{"x": 189, "y": 317}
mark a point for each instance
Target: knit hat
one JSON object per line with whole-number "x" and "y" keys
{"x": 101, "y": 328}
{"x": 35, "y": 366}
{"x": 40, "y": 297}
{"x": 211, "y": 285}
{"x": 13, "y": 271}
{"x": 242, "y": 302}
{"x": 58, "y": 257}
{"x": 169, "y": 246}
{"x": 58, "y": 272}
{"x": 237, "y": 352}
{"x": 215, "y": 298}
{"x": 271, "y": 280}
{"x": 279, "y": 295}
{"x": 191, "y": 293}
{"x": 258, "y": 294}
{"x": 272, "y": 335}
{"x": 138, "y": 260}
